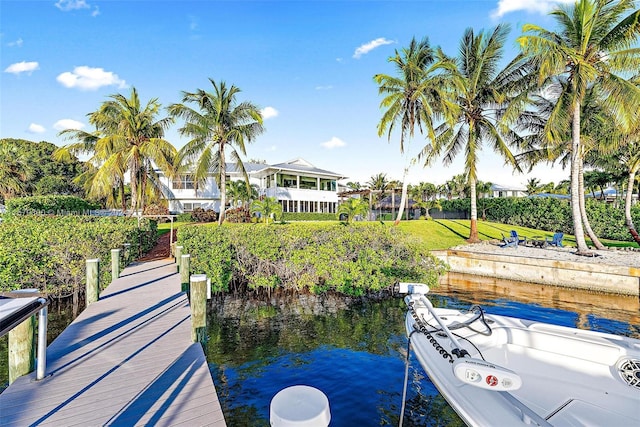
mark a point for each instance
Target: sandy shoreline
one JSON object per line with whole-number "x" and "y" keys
{"x": 607, "y": 257}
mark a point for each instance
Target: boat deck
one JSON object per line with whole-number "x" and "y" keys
{"x": 127, "y": 359}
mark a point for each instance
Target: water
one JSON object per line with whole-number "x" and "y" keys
{"x": 356, "y": 354}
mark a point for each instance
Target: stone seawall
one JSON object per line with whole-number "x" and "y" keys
{"x": 544, "y": 269}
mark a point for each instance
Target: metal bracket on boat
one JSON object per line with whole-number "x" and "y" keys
{"x": 411, "y": 288}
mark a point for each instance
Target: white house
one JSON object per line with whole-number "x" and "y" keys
{"x": 507, "y": 191}
{"x": 297, "y": 184}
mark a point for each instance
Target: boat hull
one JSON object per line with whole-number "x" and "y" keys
{"x": 569, "y": 376}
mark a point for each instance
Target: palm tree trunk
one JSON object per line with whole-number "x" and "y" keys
{"x": 223, "y": 184}
{"x": 403, "y": 198}
{"x": 583, "y": 213}
{"x": 627, "y": 206}
{"x": 576, "y": 157}
{"x": 473, "y": 232}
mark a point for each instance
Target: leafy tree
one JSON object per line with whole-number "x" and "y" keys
{"x": 15, "y": 173}
{"x": 378, "y": 185}
{"x": 533, "y": 186}
{"x": 412, "y": 99}
{"x": 267, "y": 207}
{"x": 594, "y": 45}
{"x": 353, "y": 185}
{"x": 218, "y": 124}
{"x": 482, "y": 93}
{"x": 352, "y": 207}
{"x": 239, "y": 193}
{"x": 129, "y": 138}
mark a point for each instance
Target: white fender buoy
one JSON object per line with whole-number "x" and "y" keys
{"x": 300, "y": 406}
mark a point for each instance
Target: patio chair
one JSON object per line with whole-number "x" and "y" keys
{"x": 513, "y": 240}
{"x": 556, "y": 240}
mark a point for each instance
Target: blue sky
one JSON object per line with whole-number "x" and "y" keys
{"x": 308, "y": 64}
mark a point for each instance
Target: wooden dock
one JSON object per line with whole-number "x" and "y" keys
{"x": 126, "y": 360}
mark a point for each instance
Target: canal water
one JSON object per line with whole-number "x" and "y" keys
{"x": 356, "y": 352}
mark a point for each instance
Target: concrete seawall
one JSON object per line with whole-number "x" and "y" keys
{"x": 580, "y": 275}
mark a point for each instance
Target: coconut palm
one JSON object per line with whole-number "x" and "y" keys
{"x": 482, "y": 93}
{"x": 594, "y": 44}
{"x": 219, "y": 124}
{"x": 414, "y": 98}
{"x": 352, "y": 207}
{"x": 533, "y": 186}
{"x": 127, "y": 138}
{"x": 267, "y": 207}
{"x": 15, "y": 171}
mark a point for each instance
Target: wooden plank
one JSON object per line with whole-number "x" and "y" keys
{"x": 127, "y": 359}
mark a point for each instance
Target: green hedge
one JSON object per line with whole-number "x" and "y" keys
{"x": 350, "y": 259}
{"x": 49, "y": 205}
{"x": 307, "y": 216}
{"x": 549, "y": 214}
{"x": 50, "y": 252}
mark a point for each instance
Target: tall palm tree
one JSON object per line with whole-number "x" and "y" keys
{"x": 127, "y": 138}
{"x": 378, "y": 185}
{"x": 594, "y": 44}
{"x": 482, "y": 93}
{"x": 352, "y": 207}
{"x": 15, "y": 171}
{"x": 412, "y": 99}
{"x": 219, "y": 124}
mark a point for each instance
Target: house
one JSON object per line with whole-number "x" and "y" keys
{"x": 298, "y": 185}
{"x": 507, "y": 191}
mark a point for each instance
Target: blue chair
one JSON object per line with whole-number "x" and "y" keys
{"x": 513, "y": 240}
{"x": 556, "y": 240}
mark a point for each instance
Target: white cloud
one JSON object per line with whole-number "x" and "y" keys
{"x": 368, "y": 47}
{"x": 87, "y": 78}
{"x": 334, "y": 142}
{"x": 17, "y": 43}
{"x": 36, "y": 128}
{"x": 327, "y": 87}
{"x": 269, "y": 112}
{"x": 22, "y": 67}
{"x": 96, "y": 11}
{"x": 67, "y": 5}
{"x": 533, "y": 6}
{"x": 68, "y": 124}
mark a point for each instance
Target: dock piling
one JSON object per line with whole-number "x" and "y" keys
{"x": 198, "y": 302}
{"x": 93, "y": 280}
{"x": 115, "y": 264}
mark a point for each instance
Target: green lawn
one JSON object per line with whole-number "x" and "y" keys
{"x": 446, "y": 233}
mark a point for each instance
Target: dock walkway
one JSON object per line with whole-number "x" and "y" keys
{"x": 126, "y": 360}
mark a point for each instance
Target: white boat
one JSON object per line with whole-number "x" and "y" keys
{"x": 503, "y": 371}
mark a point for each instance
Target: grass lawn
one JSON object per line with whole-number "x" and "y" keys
{"x": 446, "y": 233}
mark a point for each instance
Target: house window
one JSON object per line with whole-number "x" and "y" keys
{"x": 327, "y": 185}
{"x": 287, "y": 181}
{"x": 188, "y": 207}
{"x": 183, "y": 182}
{"x": 308, "y": 183}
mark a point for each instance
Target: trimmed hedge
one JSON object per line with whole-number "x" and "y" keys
{"x": 350, "y": 259}
{"x": 50, "y": 252}
{"x": 549, "y": 214}
{"x": 307, "y": 216}
{"x": 48, "y": 205}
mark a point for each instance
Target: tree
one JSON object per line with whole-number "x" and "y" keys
{"x": 239, "y": 193}
{"x": 219, "y": 124}
{"x": 127, "y": 138}
{"x": 15, "y": 173}
{"x": 482, "y": 94}
{"x": 533, "y": 186}
{"x": 413, "y": 99}
{"x": 352, "y": 207}
{"x": 267, "y": 207}
{"x": 353, "y": 185}
{"x": 378, "y": 185}
{"x": 594, "y": 44}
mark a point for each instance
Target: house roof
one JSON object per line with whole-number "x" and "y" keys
{"x": 498, "y": 187}
{"x": 296, "y": 166}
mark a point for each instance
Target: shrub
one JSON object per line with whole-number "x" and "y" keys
{"x": 237, "y": 215}
{"x": 350, "y": 259}
{"x": 308, "y": 216}
{"x": 49, "y": 252}
{"x": 184, "y": 217}
{"x": 201, "y": 215}
{"x": 48, "y": 205}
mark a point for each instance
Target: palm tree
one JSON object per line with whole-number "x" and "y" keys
{"x": 267, "y": 207}
{"x": 594, "y": 45}
{"x": 378, "y": 185}
{"x": 482, "y": 94}
{"x": 415, "y": 98}
{"x": 15, "y": 171}
{"x": 353, "y": 185}
{"x": 127, "y": 138}
{"x": 352, "y": 207}
{"x": 219, "y": 124}
{"x": 533, "y": 186}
